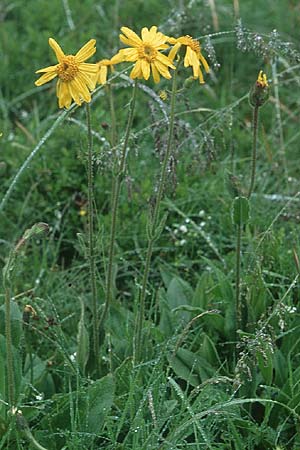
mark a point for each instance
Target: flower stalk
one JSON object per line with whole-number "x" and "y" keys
{"x": 154, "y": 228}
{"x": 91, "y": 238}
{"x": 119, "y": 170}
{"x": 258, "y": 96}
{"x": 254, "y": 149}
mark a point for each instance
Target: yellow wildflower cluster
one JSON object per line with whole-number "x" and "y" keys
{"x": 77, "y": 79}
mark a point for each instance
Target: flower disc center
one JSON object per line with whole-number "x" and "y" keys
{"x": 148, "y": 52}
{"x": 68, "y": 68}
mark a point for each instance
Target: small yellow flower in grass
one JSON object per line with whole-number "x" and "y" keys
{"x": 75, "y": 77}
{"x": 193, "y": 56}
{"x": 146, "y": 53}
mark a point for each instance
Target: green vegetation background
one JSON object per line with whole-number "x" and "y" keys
{"x": 195, "y": 257}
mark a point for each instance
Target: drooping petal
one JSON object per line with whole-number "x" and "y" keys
{"x": 186, "y": 61}
{"x": 102, "y": 77}
{"x": 74, "y": 92}
{"x": 173, "y": 51}
{"x": 155, "y": 73}
{"x": 89, "y": 80}
{"x": 201, "y": 79}
{"x": 204, "y": 63}
{"x": 145, "y": 69}
{"x": 45, "y": 78}
{"x": 80, "y": 89}
{"x": 165, "y": 60}
{"x": 118, "y": 58}
{"x": 57, "y": 49}
{"x": 86, "y": 51}
{"x": 130, "y": 54}
{"x": 137, "y": 70}
{"x": 63, "y": 94}
{"x": 162, "y": 69}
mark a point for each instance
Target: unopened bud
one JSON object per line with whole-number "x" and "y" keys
{"x": 259, "y": 93}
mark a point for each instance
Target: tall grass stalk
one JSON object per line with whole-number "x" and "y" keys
{"x": 118, "y": 174}
{"x": 154, "y": 228}
{"x": 91, "y": 238}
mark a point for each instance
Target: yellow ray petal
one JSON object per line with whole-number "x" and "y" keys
{"x": 153, "y": 31}
{"x": 145, "y": 69}
{"x": 165, "y": 60}
{"x": 116, "y": 59}
{"x": 86, "y": 51}
{"x": 162, "y": 69}
{"x": 155, "y": 73}
{"x": 102, "y": 76}
{"x": 173, "y": 51}
{"x": 80, "y": 89}
{"x": 45, "y": 78}
{"x": 63, "y": 94}
{"x": 146, "y": 35}
{"x": 88, "y": 79}
{"x": 130, "y": 54}
{"x": 88, "y": 68}
{"x": 74, "y": 92}
{"x": 201, "y": 79}
{"x": 57, "y": 50}
{"x": 47, "y": 69}
{"x": 204, "y": 63}
{"x": 134, "y": 38}
{"x": 136, "y": 71}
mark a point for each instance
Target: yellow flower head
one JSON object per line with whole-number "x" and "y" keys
{"x": 193, "y": 56}
{"x": 75, "y": 77}
{"x": 145, "y": 52}
{"x": 262, "y": 80}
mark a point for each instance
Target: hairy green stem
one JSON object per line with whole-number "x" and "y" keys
{"x": 119, "y": 168}
{"x": 113, "y": 124}
{"x": 254, "y": 149}
{"x": 153, "y": 228}
{"x": 91, "y": 239}
{"x": 238, "y": 312}
{"x": 9, "y": 350}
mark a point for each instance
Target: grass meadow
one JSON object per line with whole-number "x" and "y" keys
{"x": 149, "y": 238}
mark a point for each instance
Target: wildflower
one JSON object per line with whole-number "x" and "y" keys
{"x": 193, "y": 56}
{"x": 75, "y": 77}
{"x": 259, "y": 93}
{"x": 145, "y": 52}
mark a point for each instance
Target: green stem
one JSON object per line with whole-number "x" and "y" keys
{"x": 113, "y": 126}
{"x": 153, "y": 227}
{"x": 238, "y": 313}
{"x": 9, "y": 350}
{"x": 116, "y": 189}
{"x": 91, "y": 240}
{"x": 254, "y": 149}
